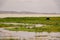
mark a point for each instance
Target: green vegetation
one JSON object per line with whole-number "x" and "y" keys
{"x": 41, "y": 20}
{"x": 52, "y": 23}
{"x": 9, "y": 39}
{"x": 48, "y": 28}
{"x": 6, "y": 25}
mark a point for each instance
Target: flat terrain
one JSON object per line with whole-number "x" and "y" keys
{"x": 2, "y": 15}
{"x": 49, "y": 24}
{"x": 30, "y": 28}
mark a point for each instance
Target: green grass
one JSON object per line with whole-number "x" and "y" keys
{"x": 48, "y": 28}
{"x": 52, "y": 25}
{"x": 53, "y": 20}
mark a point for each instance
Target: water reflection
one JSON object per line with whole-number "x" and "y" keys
{"x": 21, "y": 35}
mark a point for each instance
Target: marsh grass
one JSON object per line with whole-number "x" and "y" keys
{"x": 52, "y": 25}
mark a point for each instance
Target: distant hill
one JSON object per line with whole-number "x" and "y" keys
{"x": 23, "y": 12}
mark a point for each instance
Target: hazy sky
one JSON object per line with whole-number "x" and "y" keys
{"x": 42, "y": 6}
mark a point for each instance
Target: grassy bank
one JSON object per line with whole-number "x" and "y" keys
{"x": 48, "y": 28}
{"x": 52, "y": 23}
{"x": 43, "y": 20}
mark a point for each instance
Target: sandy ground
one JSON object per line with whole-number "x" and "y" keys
{"x": 28, "y": 15}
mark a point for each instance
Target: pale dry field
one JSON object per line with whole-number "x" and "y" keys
{"x": 2, "y": 15}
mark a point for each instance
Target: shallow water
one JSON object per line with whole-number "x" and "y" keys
{"x": 27, "y": 35}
